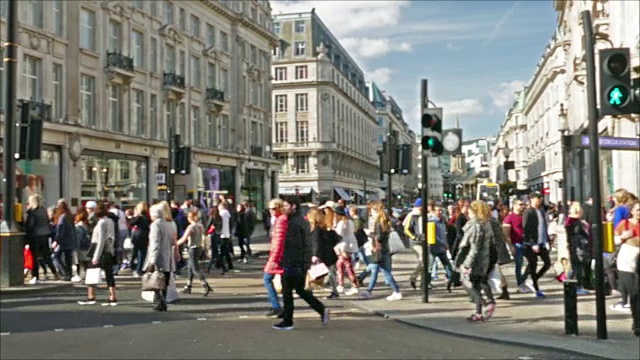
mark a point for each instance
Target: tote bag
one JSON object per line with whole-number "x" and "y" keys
{"x": 93, "y": 276}
{"x": 395, "y": 243}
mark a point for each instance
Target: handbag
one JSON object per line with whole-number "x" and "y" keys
{"x": 153, "y": 281}
{"x": 395, "y": 243}
{"x": 93, "y": 276}
{"x": 318, "y": 270}
{"x": 211, "y": 230}
{"x": 277, "y": 283}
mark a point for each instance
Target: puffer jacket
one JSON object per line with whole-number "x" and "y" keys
{"x": 475, "y": 248}
{"x": 276, "y": 251}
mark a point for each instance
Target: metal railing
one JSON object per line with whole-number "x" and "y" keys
{"x": 214, "y": 94}
{"x": 117, "y": 60}
{"x": 255, "y": 150}
{"x": 173, "y": 80}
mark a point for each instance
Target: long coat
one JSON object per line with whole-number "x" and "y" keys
{"x": 159, "y": 252}
{"x": 475, "y": 247}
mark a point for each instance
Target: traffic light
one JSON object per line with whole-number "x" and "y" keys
{"x": 184, "y": 160}
{"x": 174, "y": 148}
{"x": 404, "y": 158}
{"x": 432, "y": 130}
{"x": 32, "y": 116}
{"x": 615, "y": 83}
{"x": 394, "y": 152}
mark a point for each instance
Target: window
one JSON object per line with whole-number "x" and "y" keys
{"x": 87, "y": 29}
{"x": 58, "y": 17}
{"x": 380, "y": 121}
{"x": 281, "y": 73}
{"x": 277, "y": 53}
{"x": 224, "y": 80}
{"x": 196, "y": 128}
{"x": 282, "y": 132}
{"x": 115, "y": 36}
{"x": 195, "y": 26}
{"x": 168, "y": 12}
{"x": 254, "y": 54}
{"x": 168, "y": 117}
{"x": 281, "y": 103}
{"x": 299, "y": 48}
{"x": 182, "y": 121}
{"x": 182, "y": 20}
{"x": 170, "y": 58}
{"x": 299, "y": 26}
{"x": 224, "y": 131}
{"x": 302, "y": 131}
{"x": 211, "y": 75}
{"x": 195, "y": 72}
{"x": 183, "y": 62}
{"x": 87, "y": 103}
{"x": 302, "y": 102}
{"x": 153, "y": 118}
{"x": 137, "y": 48}
{"x": 301, "y": 72}
{"x": 211, "y": 35}
{"x": 32, "y": 13}
{"x": 302, "y": 164}
{"x": 224, "y": 41}
{"x": 212, "y": 140}
{"x": 154, "y": 55}
{"x": 125, "y": 170}
{"x": 136, "y": 124}
{"x": 255, "y": 135}
{"x": 284, "y": 159}
{"x": 276, "y": 27}
{"x": 57, "y": 108}
{"x": 114, "y": 107}
{"x": 32, "y": 73}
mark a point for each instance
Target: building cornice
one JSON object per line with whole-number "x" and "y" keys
{"x": 241, "y": 19}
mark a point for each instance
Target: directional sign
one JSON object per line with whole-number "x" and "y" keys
{"x": 609, "y": 143}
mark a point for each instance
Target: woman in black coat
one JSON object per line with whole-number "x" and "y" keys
{"x": 322, "y": 246}
{"x": 140, "y": 227}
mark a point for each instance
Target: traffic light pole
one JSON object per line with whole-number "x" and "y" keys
{"x": 594, "y": 160}
{"x": 172, "y": 160}
{"x": 390, "y": 145}
{"x": 11, "y": 66}
{"x": 426, "y": 275}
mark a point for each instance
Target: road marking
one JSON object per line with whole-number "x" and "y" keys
{"x": 5, "y": 333}
{"x": 202, "y": 319}
{"x": 58, "y": 330}
{"x": 108, "y": 326}
{"x": 156, "y": 322}
{"x": 244, "y": 316}
{"x": 22, "y": 300}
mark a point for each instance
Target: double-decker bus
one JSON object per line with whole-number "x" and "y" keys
{"x": 488, "y": 191}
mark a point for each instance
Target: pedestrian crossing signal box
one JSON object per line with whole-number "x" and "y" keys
{"x": 615, "y": 83}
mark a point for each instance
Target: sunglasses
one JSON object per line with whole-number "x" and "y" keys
{"x": 272, "y": 208}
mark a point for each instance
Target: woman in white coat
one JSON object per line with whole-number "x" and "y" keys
{"x": 345, "y": 248}
{"x": 159, "y": 253}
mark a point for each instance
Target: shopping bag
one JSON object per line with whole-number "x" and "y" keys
{"x": 318, "y": 270}
{"x": 495, "y": 280}
{"x": 93, "y": 276}
{"x": 312, "y": 284}
{"x": 395, "y": 243}
{"x": 172, "y": 291}
{"x": 28, "y": 258}
{"x": 277, "y": 283}
{"x": 149, "y": 296}
{"x": 128, "y": 244}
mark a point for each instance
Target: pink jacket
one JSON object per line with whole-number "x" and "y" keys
{"x": 277, "y": 245}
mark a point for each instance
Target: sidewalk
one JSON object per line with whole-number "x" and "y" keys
{"x": 523, "y": 320}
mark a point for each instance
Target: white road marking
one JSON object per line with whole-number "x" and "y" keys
{"x": 22, "y": 300}
{"x": 58, "y": 330}
{"x": 156, "y": 322}
{"x": 5, "y": 333}
{"x": 108, "y": 326}
{"x": 202, "y": 319}
{"x": 244, "y": 316}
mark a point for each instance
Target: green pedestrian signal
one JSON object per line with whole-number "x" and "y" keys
{"x": 618, "y": 96}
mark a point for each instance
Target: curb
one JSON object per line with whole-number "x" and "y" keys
{"x": 27, "y": 290}
{"x": 474, "y": 337}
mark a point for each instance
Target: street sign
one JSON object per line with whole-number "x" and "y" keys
{"x": 608, "y": 143}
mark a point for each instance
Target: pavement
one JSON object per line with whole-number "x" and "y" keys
{"x": 524, "y": 320}
{"x": 229, "y": 323}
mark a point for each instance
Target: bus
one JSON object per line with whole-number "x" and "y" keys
{"x": 488, "y": 191}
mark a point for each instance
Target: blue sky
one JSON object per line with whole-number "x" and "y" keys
{"x": 474, "y": 53}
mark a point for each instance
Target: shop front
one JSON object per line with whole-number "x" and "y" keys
{"x": 213, "y": 180}
{"x": 114, "y": 177}
{"x": 253, "y": 189}
{"x": 40, "y": 177}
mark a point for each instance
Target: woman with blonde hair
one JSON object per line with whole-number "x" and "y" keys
{"x": 578, "y": 244}
{"x": 381, "y": 256}
{"x": 37, "y": 232}
{"x": 194, "y": 238}
{"x": 140, "y": 235}
{"x": 321, "y": 246}
{"x": 344, "y": 249}
{"x": 474, "y": 257}
{"x": 276, "y": 251}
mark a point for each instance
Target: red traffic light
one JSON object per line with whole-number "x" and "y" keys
{"x": 432, "y": 122}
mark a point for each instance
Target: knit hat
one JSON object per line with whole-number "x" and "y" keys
{"x": 418, "y": 203}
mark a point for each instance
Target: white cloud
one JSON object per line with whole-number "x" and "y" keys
{"x": 369, "y": 48}
{"x": 380, "y": 76}
{"x": 500, "y": 23}
{"x": 451, "y": 47}
{"x": 503, "y": 95}
{"x": 462, "y": 107}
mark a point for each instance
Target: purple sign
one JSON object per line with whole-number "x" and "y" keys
{"x": 610, "y": 142}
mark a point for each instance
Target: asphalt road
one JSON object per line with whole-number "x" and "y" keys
{"x": 229, "y": 324}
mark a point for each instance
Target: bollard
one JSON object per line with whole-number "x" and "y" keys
{"x": 570, "y": 307}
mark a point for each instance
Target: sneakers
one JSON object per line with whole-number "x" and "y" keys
{"x": 332, "y": 296}
{"x": 489, "y": 310}
{"x": 110, "y": 302}
{"x": 283, "y": 326}
{"x": 76, "y": 278}
{"x": 523, "y": 289}
{"x": 540, "y": 294}
{"x": 582, "y": 291}
{"x": 620, "y": 307}
{"x": 340, "y": 289}
{"x": 34, "y": 281}
{"x": 395, "y": 296}
{"x": 325, "y": 317}
{"x": 87, "y": 302}
{"x": 274, "y": 312}
{"x": 352, "y": 291}
{"x": 365, "y": 294}
{"x": 530, "y": 287}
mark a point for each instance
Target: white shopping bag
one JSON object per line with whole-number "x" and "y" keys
{"x": 93, "y": 276}
{"x": 318, "y": 270}
{"x": 149, "y": 296}
{"x": 277, "y": 283}
{"x": 495, "y": 280}
{"x": 395, "y": 243}
{"x": 172, "y": 291}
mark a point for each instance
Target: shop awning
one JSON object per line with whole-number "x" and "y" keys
{"x": 303, "y": 190}
{"x": 359, "y": 193}
{"x": 342, "y": 193}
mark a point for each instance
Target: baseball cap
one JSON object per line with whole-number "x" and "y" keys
{"x": 418, "y": 203}
{"x": 329, "y": 204}
{"x": 91, "y": 205}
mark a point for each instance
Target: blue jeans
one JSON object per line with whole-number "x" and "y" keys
{"x": 360, "y": 255}
{"x": 385, "y": 266}
{"x": 518, "y": 259}
{"x": 141, "y": 255}
{"x": 272, "y": 295}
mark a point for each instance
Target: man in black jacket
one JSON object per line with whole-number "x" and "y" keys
{"x": 536, "y": 239}
{"x": 295, "y": 262}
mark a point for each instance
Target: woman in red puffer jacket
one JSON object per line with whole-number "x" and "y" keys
{"x": 272, "y": 268}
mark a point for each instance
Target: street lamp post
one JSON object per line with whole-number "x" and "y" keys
{"x": 506, "y": 151}
{"x": 564, "y": 138}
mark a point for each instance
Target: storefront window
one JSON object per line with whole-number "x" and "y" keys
{"x": 111, "y": 177}
{"x": 214, "y": 179}
{"x": 36, "y": 177}
{"x": 253, "y": 189}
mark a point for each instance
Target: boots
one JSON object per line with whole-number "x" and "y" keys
{"x": 505, "y": 294}
{"x": 187, "y": 289}
{"x": 207, "y": 289}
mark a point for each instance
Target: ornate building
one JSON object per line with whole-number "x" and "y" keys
{"x": 324, "y": 127}
{"x": 119, "y": 74}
